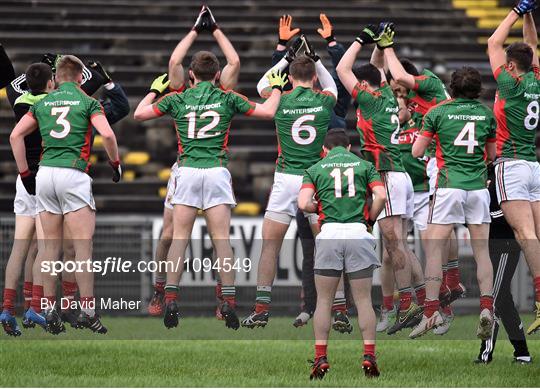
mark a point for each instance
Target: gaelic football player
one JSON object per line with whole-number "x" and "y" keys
{"x": 341, "y": 182}
{"x": 203, "y": 115}
{"x": 65, "y": 118}
{"x": 335, "y": 50}
{"x": 301, "y": 124}
{"x": 228, "y": 80}
{"x": 23, "y": 92}
{"x": 464, "y": 133}
{"x": 378, "y": 126}
{"x": 517, "y": 110}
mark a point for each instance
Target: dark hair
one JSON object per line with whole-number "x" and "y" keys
{"x": 37, "y": 76}
{"x": 336, "y": 137}
{"x": 409, "y": 67}
{"x": 522, "y": 54}
{"x": 466, "y": 83}
{"x": 369, "y": 73}
{"x": 302, "y": 68}
{"x": 69, "y": 68}
{"x": 204, "y": 65}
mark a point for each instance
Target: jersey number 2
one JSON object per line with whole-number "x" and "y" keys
{"x": 61, "y": 112}
{"x": 466, "y": 138}
{"x": 349, "y": 173}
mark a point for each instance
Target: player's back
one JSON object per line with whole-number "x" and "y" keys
{"x": 462, "y": 128}
{"x": 517, "y": 111}
{"x": 202, "y": 117}
{"x": 301, "y": 124}
{"x": 427, "y": 92}
{"x": 64, "y": 118}
{"x": 378, "y": 126}
{"x": 341, "y": 180}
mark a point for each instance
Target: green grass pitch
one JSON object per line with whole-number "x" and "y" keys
{"x": 201, "y": 352}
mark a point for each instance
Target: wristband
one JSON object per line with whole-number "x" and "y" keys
{"x": 26, "y": 173}
{"x": 370, "y": 222}
{"x": 330, "y": 39}
{"x": 282, "y": 42}
{"x": 278, "y": 87}
{"x": 154, "y": 91}
{"x": 359, "y": 40}
{"x": 114, "y": 164}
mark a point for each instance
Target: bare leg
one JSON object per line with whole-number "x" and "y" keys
{"x": 326, "y": 290}
{"x": 361, "y": 291}
{"x": 273, "y": 233}
{"x": 163, "y": 245}
{"x": 50, "y": 250}
{"x": 183, "y": 219}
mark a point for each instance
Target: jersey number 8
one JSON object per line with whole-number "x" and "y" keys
{"x": 531, "y": 120}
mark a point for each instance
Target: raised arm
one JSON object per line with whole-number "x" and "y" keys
{"x": 497, "y": 56}
{"x": 325, "y": 79}
{"x": 399, "y": 74}
{"x": 268, "y": 109}
{"x": 263, "y": 86}
{"x": 176, "y": 70}
{"x": 285, "y": 32}
{"x": 530, "y": 36}
{"x": 345, "y": 66}
{"x": 229, "y": 74}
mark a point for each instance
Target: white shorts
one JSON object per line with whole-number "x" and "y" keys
{"x": 458, "y": 206}
{"x": 432, "y": 170}
{"x": 345, "y": 246}
{"x": 60, "y": 190}
{"x": 24, "y": 203}
{"x": 203, "y": 188}
{"x": 518, "y": 180}
{"x": 284, "y": 194}
{"x": 399, "y": 195}
{"x": 421, "y": 210}
{"x": 171, "y": 187}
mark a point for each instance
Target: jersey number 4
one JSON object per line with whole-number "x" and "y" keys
{"x": 349, "y": 173}
{"x": 466, "y": 138}
{"x": 61, "y": 112}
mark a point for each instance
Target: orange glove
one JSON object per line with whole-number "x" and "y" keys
{"x": 285, "y": 32}
{"x": 326, "y": 31}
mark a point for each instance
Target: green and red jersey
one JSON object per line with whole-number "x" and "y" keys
{"x": 301, "y": 124}
{"x": 378, "y": 126}
{"x": 428, "y": 91}
{"x": 63, "y": 118}
{"x": 202, "y": 116}
{"x": 342, "y": 182}
{"x": 461, "y": 129}
{"x": 415, "y": 167}
{"x": 517, "y": 112}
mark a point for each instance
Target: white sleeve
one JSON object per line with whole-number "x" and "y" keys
{"x": 325, "y": 79}
{"x": 263, "y": 82}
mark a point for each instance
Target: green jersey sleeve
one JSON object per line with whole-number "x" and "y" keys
{"x": 425, "y": 85}
{"x": 240, "y": 103}
{"x": 307, "y": 181}
{"x": 374, "y": 178}
{"x": 428, "y": 124}
{"x": 95, "y": 108}
{"x": 506, "y": 82}
{"x": 362, "y": 96}
{"x": 164, "y": 105}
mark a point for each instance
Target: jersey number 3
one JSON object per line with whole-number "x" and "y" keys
{"x": 349, "y": 173}
{"x": 61, "y": 112}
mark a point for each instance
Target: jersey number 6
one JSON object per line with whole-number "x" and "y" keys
{"x": 299, "y": 126}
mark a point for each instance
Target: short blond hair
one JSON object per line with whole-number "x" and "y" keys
{"x": 69, "y": 68}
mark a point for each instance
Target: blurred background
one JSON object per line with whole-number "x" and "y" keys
{"x": 133, "y": 39}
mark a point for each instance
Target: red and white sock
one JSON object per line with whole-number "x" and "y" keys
{"x": 453, "y": 276}
{"x": 69, "y": 289}
{"x": 486, "y": 302}
{"x": 430, "y": 307}
{"x": 537, "y": 288}
{"x": 320, "y": 350}
{"x": 340, "y": 303}
{"x": 369, "y": 349}
{"x": 405, "y": 298}
{"x": 388, "y": 302}
{"x": 37, "y": 295}
{"x": 10, "y": 296}
{"x": 27, "y": 293}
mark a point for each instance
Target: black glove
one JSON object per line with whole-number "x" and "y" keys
{"x": 310, "y": 51}
{"x": 210, "y": 20}
{"x": 198, "y": 27}
{"x": 117, "y": 170}
{"x": 50, "y": 59}
{"x": 98, "y": 68}
{"x": 293, "y": 50}
{"x": 28, "y": 179}
{"x": 368, "y": 35}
